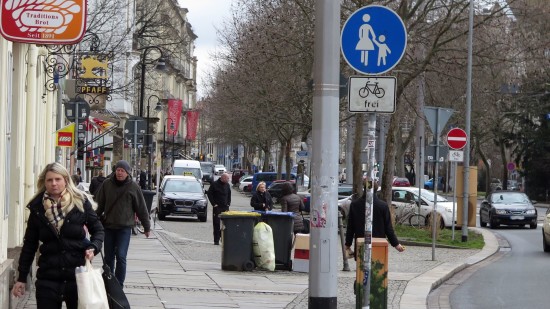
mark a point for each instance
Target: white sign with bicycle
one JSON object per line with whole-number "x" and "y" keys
{"x": 372, "y": 94}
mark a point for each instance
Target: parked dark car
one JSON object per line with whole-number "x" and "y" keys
{"x": 182, "y": 196}
{"x": 275, "y": 189}
{"x": 207, "y": 169}
{"x": 508, "y": 208}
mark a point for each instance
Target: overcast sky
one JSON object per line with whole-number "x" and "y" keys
{"x": 205, "y": 16}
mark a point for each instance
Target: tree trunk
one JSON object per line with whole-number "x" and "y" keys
{"x": 356, "y": 160}
{"x": 287, "y": 157}
{"x": 389, "y": 158}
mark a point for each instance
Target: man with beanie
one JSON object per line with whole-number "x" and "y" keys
{"x": 118, "y": 199}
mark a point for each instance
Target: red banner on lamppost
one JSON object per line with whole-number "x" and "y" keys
{"x": 192, "y": 123}
{"x": 43, "y": 22}
{"x": 174, "y": 114}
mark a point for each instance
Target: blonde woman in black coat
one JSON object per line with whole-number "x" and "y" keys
{"x": 261, "y": 199}
{"x": 61, "y": 217}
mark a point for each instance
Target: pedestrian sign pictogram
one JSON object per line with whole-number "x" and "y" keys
{"x": 456, "y": 138}
{"x": 373, "y": 39}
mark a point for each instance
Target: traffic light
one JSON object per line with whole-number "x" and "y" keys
{"x": 80, "y": 150}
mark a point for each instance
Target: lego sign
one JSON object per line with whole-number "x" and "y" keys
{"x": 43, "y": 22}
{"x": 65, "y": 136}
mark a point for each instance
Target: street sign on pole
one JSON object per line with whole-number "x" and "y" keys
{"x": 456, "y": 156}
{"x": 457, "y": 138}
{"x": 373, "y": 39}
{"x": 372, "y": 94}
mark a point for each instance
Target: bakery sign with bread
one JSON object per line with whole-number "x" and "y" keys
{"x": 43, "y": 21}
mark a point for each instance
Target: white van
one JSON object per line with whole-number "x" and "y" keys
{"x": 188, "y": 168}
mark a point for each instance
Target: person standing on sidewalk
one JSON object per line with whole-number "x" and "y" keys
{"x": 119, "y": 199}
{"x": 261, "y": 199}
{"x": 219, "y": 195}
{"x": 381, "y": 221}
{"x": 96, "y": 182}
{"x": 292, "y": 202}
{"x": 60, "y": 215}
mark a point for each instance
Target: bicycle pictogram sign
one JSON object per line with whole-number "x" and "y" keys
{"x": 372, "y": 94}
{"x": 371, "y": 88}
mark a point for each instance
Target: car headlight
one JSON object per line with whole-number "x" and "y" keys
{"x": 166, "y": 200}
{"x": 201, "y": 203}
{"x": 531, "y": 212}
{"x": 501, "y": 211}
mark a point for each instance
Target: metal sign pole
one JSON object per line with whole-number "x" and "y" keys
{"x": 454, "y": 199}
{"x": 367, "y": 256}
{"x": 436, "y": 184}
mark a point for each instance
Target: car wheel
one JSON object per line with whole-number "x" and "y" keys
{"x": 203, "y": 218}
{"x": 493, "y": 222}
{"x": 533, "y": 225}
{"x": 426, "y": 187}
{"x": 481, "y": 222}
{"x": 161, "y": 216}
{"x": 545, "y": 245}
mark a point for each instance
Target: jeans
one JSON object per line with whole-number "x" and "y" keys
{"x": 116, "y": 245}
{"x": 51, "y": 294}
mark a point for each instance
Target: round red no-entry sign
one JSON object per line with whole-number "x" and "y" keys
{"x": 456, "y": 138}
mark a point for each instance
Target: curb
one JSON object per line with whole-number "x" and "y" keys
{"x": 417, "y": 290}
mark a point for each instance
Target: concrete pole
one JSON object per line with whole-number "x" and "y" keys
{"x": 466, "y": 163}
{"x": 323, "y": 272}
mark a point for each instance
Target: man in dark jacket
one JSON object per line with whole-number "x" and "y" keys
{"x": 219, "y": 195}
{"x": 96, "y": 182}
{"x": 381, "y": 222}
{"x": 119, "y": 198}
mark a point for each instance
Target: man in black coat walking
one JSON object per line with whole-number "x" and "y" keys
{"x": 219, "y": 195}
{"x": 96, "y": 182}
{"x": 381, "y": 221}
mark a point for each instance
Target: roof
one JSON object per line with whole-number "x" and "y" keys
{"x": 188, "y": 178}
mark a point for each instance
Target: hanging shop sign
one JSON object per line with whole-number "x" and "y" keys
{"x": 43, "y": 22}
{"x": 65, "y": 136}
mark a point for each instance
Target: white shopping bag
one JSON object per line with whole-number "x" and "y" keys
{"x": 91, "y": 289}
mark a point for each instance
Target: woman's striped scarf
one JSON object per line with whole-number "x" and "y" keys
{"x": 56, "y": 211}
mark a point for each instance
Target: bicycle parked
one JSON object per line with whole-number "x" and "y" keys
{"x": 411, "y": 214}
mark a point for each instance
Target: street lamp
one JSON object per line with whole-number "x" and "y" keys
{"x": 148, "y": 141}
{"x": 143, "y": 62}
{"x": 172, "y": 127}
{"x": 160, "y": 66}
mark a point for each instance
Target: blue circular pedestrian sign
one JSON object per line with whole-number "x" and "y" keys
{"x": 373, "y": 40}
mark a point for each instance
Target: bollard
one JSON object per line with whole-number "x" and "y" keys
{"x": 342, "y": 241}
{"x": 301, "y": 253}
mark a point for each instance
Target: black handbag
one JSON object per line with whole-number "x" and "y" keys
{"x": 115, "y": 294}
{"x": 306, "y": 224}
